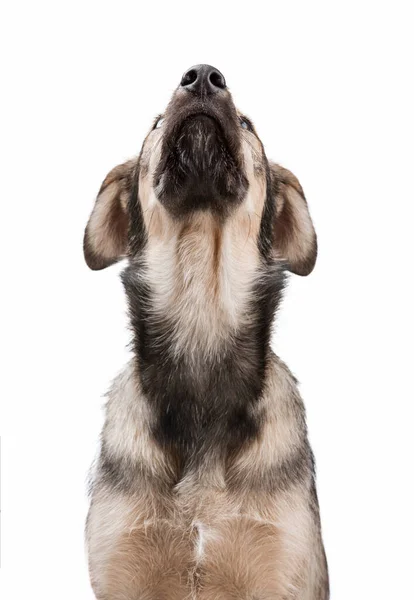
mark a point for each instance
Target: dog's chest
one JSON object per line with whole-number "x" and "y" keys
{"x": 201, "y": 311}
{"x": 204, "y": 416}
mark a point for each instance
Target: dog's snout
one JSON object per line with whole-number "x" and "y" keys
{"x": 203, "y": 79}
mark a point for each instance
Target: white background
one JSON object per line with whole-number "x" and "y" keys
{"x": 329, "y": 87}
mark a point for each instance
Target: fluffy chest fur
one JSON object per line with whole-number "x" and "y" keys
{"x": 201, "y": 304}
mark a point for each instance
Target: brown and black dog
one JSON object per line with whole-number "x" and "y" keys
{"x": 204, "y": 488}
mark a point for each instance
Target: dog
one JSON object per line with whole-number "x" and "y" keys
{"x": 204, "y": 487}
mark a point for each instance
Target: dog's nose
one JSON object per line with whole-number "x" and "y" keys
{"x": 203, "y": 79}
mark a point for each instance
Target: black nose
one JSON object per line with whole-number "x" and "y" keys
{"x": 203, "y": 79}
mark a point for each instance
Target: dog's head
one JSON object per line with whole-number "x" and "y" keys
{"x": 201, "y": 157}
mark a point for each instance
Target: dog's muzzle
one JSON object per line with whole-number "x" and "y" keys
{"x": 201, "y": 165}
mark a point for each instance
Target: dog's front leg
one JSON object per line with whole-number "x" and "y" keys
{"x": 135, "y": 555}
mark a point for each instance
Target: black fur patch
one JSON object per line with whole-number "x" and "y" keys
{"x": 123, "y": 473}
{"x": 293, "y": 470}
{"x": 201, "y": 166}
{"x": 137, "y": 234}
{"x": 268, "y": 217}
{"x": 208, "y": 410}
{"x": 197, "y": 171}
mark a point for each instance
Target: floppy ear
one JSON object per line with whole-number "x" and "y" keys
{"x": 106, "y": 234}
{"x": 294, "y": 236}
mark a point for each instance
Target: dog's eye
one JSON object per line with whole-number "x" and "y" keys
{"x": 159, "y": 122}
{"x": 246, "y": 124}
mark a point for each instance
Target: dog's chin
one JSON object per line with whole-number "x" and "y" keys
{"x": 199, "y": 172}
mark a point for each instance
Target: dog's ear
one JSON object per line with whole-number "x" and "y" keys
{"x": 294, "y": 237}
{"x": 106, "y": 234}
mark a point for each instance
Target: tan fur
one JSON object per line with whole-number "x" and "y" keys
{"x": 295, "y": 236}
{"x": 284, "y": 423}
{"x": 221, "y": 536}
{"x": 135, "y": 546}
{"x": 201, "y": 539}
{"x": 133, "y": 419}
{"x": 106, "y": 233}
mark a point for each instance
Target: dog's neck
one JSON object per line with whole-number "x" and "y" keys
{"x": 202, "y": 276}
{"x": 202, "y": 305}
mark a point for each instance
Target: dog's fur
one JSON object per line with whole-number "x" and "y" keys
{"x": 205, "y": 485}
